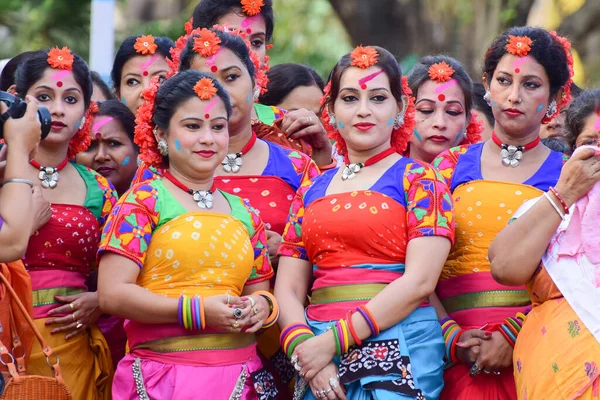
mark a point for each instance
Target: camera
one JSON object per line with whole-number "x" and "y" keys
{"x": 16, "y": 109}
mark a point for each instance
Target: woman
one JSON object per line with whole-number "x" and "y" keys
{"x": 293, "y": 86}
{"x": 101, "y": 90}
{"x": 443, "y": 93}
{"x": 149, "y": 277}
{"x": 60, "y": 255}
{"x": 525, "y": 71}
{"x": 558, "y": 349}
{"x": 112, "y": 152}
{"x": 138, "y": 60}
{"x": 393, "y": 199}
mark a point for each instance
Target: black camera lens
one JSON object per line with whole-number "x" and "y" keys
{"x": 17, "y": 108}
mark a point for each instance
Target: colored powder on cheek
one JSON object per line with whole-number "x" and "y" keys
{"x": 391, "y": 121}
{"x": 417, "y": 135}
{"x": 494, "y": 104}
{"x": 126, "y": 161}
{"x": 77, "y": 124}
{"x": 249, "y": 98}
{"x": 177, "y": 145}
{"x": 541, "y": 106}
{"x": 123, "y": 100}
{"x": 458, "y": 138}
{"x": 340, "y": 125}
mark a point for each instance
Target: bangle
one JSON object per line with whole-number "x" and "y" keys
{"x": 453, "y": 346}
{"x": 292, "y": 335}
{"x": 508, "y": 335}
{"x": 351, "y": 329}
{"x": 451, "y": 332}
{"x": 560, "y": 199}
{"x": 190, "y": 313}
{"x": 560, "y": 213}
{"x": 329, "y": 166}
{"x": 273, "y": 307}
{"x": 364, "y": 311}
{"x": 17, "y": 180}
{"x": 336, "y": 337}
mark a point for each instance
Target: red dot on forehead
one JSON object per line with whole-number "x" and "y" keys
{"x": 441, "y": 97}
{"x": 517, "y": 70}
{"x": 98, "y": 135}
{"x": 145, "y": 73}
{"x": 206, "y": 116}
{"x": 248, "y": 30}
{"x": 214, "y": 68}
{"x": 363, "y": 86}
{"x": 59, "y": 84}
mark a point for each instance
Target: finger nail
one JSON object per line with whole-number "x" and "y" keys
{"x": 488, "y": 334}
{"x": 53, "y": 331}
{"x": 244, "y": 298}
{"x": 460, "y": 343}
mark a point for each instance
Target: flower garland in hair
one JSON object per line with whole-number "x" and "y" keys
{"x": 82, "y": 139}
{"x": 144, "y": 128}
{"x": 473, "y": 131}
{"x": 189, "y": 26}
{"x": 566, "y": 96}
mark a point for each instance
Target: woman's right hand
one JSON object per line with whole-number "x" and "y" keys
{"x": 219, "y": 314}
{"x": 24, "y": 134}
{"x": 578, "y": 175}
{"x": 469, "y": 345}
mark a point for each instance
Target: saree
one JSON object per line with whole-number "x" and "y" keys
{"x": 466, "y": 288}
{"x": 410, "y": 200}
{"x": 150, "y": 227}
{"x": 59, "y": 258}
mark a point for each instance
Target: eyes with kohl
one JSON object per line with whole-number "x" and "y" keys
{"x": 254, "y": 27}
{"x": 441, "y": 119}
{"x": 363, "y": 115}
{"x": 136, "y": 75}
{"x": 590, "y": 134}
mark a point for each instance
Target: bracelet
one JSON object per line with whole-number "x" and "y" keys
{"x": 329, "y": 166}
{"x": 340, "y": 335}
{"x": 292, "y": 335}
{"x": 560, "y": 199}
{"x": 366, "y": 314}
{"x": 273, "y": 307}
{"x": 190, "y": 313}
{"x": 351, "y": 329}
{"x": 17, "y": 180}
{"x": 451, "y": 332}
{"x": 560, "y": 213}
{"x": 510, "y": 337}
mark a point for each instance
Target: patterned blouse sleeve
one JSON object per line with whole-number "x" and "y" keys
{"x": 291, "y": 242}
{"x": 430, "y": 209}
{"x": 304, "y": 166}
{"x": 446, "y": 161}
{"x": 110, "y": 197}
{"x": 129, "y": 226}
{"x": 261, "y": 270}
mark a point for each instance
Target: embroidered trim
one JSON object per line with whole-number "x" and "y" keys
{"x": 264, "y": 385}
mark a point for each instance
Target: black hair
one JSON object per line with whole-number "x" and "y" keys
{"x": 481, "y": 105}
{"x": 31, "y": 70}
{"x": 119, "y": 111}
{"x": 7, "y": 78}
{"x": 176, "y": 90}
{"x": 208, "y": 13}
{"x": 386, "y": 61}
{"x": 98, "y": 81}
{"x": 547, "y": 50}
{"x": 584, "y": 105}
{"x": 232, "y": 42}
{"x": 127, "y": 51}
{"x": 558, "y": 144}
{"x": 284, "y": 78}
{"x": 420, "y": 74}
{"x": 575, "y": 90}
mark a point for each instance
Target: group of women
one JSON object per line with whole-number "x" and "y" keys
{"x": 215, "y": 228}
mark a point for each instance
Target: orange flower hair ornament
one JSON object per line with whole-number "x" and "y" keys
{"x": 252, "y": 7}
{"x": 145, "y": 45}
{"x": 82, "y": 139}
{"x": 566, "y": 96}
{"x": 519, "y": 46}
{"x": 441, "y": 72}
{"x": 61, "y": 58}
{"x": 144, "y": 128}
{"x": 205, "y": 89}
{"x": 364, "y": 57}
{"x": 207, "y": 43}
{"x": 400, "y": 136}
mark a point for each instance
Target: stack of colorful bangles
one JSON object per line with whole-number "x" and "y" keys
{"x": 511, "y": 327}
{"x": 451, "y": 331}
{"x": 343, "y": 329}
{"x": 191, "y": 313}
{"x": 292, "y": 335}
{"x": 273, "y": 308}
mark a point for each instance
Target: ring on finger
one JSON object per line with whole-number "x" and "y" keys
{"x": 309, "y": 119}
{"x": 73, "y": 316}
{"x": 326, "y": 392}
{"x": 333, "y": 383}
{"x": 235, "y": 325}
{"x": 237, "y": 313}
{"x": 72, "y": 306}
{"x": 496, "y": 372}
{"x": 79, "y": 325}
{"x": 475, "y": 370}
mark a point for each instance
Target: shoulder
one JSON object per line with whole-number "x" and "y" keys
{"x": 415, "y": 169}
{"x": 446, "y": 162}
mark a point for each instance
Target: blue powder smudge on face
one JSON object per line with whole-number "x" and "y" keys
{"x": 458, "y": 138}
{"x": 177, "y": 145}
{"x": 391, "y": 121}
{"x": 77, "y": 124}
{"x": 417, "y": 135}
{"x": 540, "y": 108}
{"x": 123, "y": 100}
{"x": 125, "y": 161}
{"x": 249, "y": 98}
{"x": 340, "y": 125}
{"x": 494, "y": 104}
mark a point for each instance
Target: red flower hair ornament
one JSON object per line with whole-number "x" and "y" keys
{"x": 566, "y": 96}
{"x": 207, "y": 43}
{"x": 61, "y": 58}
{"x": 519, "y": 46}
{"x": 364, "y": 57}
{"x": 145, "y": 45}
{"x": 252, "y": 7}
{"x": 441, "y": 72}
{"x": 205, "y": 89}
{"x": 400, "y": 136}
{"x": 144, "y": 129}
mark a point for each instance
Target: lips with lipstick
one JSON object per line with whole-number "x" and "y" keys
{"x": 513, "y": 112}
{"x": 364, "y": 126}
{"x": 57, "y": 125}
{"x": 105, "y": 171}
{"x": 438, "y": 139}
{"x": 205, "y": 153}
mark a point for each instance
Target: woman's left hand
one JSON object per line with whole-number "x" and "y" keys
{"x": 82, "y": 311}
{"x": 326, "y": 384}
{"x": 314, "y": 354}
{"x": 259, "y": 312}
{"x": 495, "y": 354}
{"x": 304, "y": 124}
{"x": 273, "y": 242}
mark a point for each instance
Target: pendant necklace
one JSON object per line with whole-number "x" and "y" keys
{"x": 204, "y": 198}
{"x": 511, "y": 154}
{"x": 49, "y": 175}
{"x": 233, "y": 161}
{"x": 351, "y": 170}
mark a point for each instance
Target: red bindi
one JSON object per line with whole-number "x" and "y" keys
{"x": 206, "y": 116}
{"x": 59, "y": 84}
{"x": 98, "y": 135}
{"x": 517, "y": 70}
{"x": 363, "y": 86}
{"x": 145, "y": 73}
{"x": 248, "y": 31}
{"x": 441, "y": 97}
{"x": 214, "y": 68}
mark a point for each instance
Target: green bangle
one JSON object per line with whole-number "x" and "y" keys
{"x": 296, "y": 342}
{"x": 188, "y": 302}
{"x": 338, "y": 345}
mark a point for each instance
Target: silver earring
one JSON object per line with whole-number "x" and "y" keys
{"x": 256, "y": 94}
{"x": 488, "y": 97}
{"x": 82, "y": 123}
{"x": 399, "y": 120}
{"x": 332, "y": 121}
{"x": 551, "y": 109}
{"x": 163, "y": 148}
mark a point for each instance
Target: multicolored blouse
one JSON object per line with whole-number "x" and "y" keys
{"x": 61, "y": 254}
{"x": 357, "y": 244}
